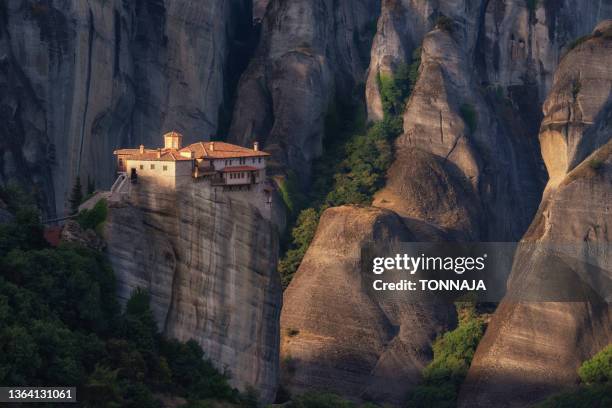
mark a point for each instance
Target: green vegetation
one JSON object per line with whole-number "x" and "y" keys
{"x": 291, "y": 194}
{"x": 597, "y": 370}
{"x": 92, "y": 219}
{"x": 353, "y": 165}
{"x": 61, "y": 325}
{"x": 302, "y": 234}
{"x": 596, "y": 388}
{"x": 453, "y": 353}
{"x": 324, "y": 400}
{"x": 469, "y": 116}
{"x": 596, "y": 164}
{"x": 596, "y": 396}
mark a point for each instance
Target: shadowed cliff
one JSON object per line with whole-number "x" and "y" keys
{"x": 208, "y": 259}
{"x": 533, "y": 349}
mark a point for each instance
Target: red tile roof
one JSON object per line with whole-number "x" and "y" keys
{"x": 201, "y": 150}
{"x": 234, "y": 169}
{"x": 152, "y": 154}
{"x": 221, "y": 150}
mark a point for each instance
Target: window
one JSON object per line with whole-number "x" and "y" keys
{"x": 165, "y": 168}
{"x": 142, "y": 167}
{"x": 152, "y": 167}
{"x": 260, "y": 159}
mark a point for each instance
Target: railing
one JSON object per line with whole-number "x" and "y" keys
{"x": 118, "y": 190}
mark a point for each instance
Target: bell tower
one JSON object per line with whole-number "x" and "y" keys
{"x": 173, "y": 140}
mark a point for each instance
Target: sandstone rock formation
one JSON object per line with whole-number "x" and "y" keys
{"x": 533, "y": 349}
{"x": 515, "y": 44}
{"x": 339, "y": 336}
{"x": 450, "y": 124}
{"x": 468, "y": 165}
{"x": 401, "y": 28}
{"x": 310, "y": 54}
{"x": 80, "y": 79}
{"x": 208, "y": 259}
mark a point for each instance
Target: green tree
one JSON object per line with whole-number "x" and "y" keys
{"x": 61, "y": 324}
{"x": 453, "y": 353}
{"x": 354, "y": 163}
{"x": 597, "y": 369}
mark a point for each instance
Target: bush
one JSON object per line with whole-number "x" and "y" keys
{"x": 596, "y": 388}
{"x": 596, "y": 396}
{"x": 320, "y": 400}
{"x": 453, "y": 353}
{"x": 61, "y": 325}
{"x": 596, "y": 164}
{"x": 92, "y": 219}
{"x": 291, "y": 193}
{"x": 598, "y": 369}
{"x": 354, "y": 163}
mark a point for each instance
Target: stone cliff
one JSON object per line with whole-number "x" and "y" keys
{"x": 208, "y": 259}
{"x": 467, "y": 165}
{"x": 80, "y": 79}
{"x": 533, "y": 349}
{"x": 337, "y": 335}
{"x": 310, "y": 54}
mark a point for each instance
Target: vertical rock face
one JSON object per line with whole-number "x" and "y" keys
{"x": 521, "y": 42}
{"x": 80, "y": 79}
{"x": 533, "y": 349}
{"x": 336, "y": 334}
{"x": 208, "y": 258}
{"x": 401, "y": 28}
{"x": 515, "y": 44}
{"x": 488, "y": 182}
{"x": 311, "y": 52}
{"x": 475, "y": 106}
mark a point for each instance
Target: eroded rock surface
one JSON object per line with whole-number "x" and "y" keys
{"x": 488, "y": 184}
{"x": 208, "y": 259}
{"x": 533, "y": 349}
{"x": 80, "y": 79}
{"x": 336, "y": 334}
{"x": 310, "y": 54}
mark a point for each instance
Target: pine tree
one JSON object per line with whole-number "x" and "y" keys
{"x": 76, "y": 197}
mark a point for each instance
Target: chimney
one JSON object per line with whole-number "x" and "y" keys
{"x": 158, "y": 153}
{"x": 256, "y": 146}
{"x": 141, "y": 149}
{"x": 212, "y": 146}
